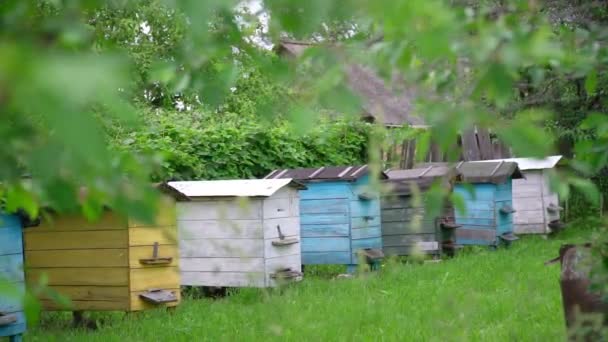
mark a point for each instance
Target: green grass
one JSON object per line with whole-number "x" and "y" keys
{"x": 504, "y": 295}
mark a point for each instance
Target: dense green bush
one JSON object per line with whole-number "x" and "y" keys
{"x": 191, "y": 146}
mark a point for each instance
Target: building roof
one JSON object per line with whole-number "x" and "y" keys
{"x": 233, "y": 188}
{"x": 402, "y": 180}
{"x": 393, "y": 107}
{"x": 488, "y": 172}
{"x": 346, "y": 173}
{"x": 532, "y": 163}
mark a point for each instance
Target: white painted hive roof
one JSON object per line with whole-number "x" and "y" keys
{"x": 531, "y": 163}
{"x": 232, "y": 188}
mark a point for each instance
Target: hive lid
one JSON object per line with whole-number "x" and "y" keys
{"x": 329, "y": 173}
{"x": 531, "y": 163}
{"x": 234, "y": 187}
{"x": 488, "y": 172}
{"x": 423, "y": 177}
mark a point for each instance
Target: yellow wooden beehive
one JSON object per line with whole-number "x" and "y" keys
{"x": 111, "y": 264}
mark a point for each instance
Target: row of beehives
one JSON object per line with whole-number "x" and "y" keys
{"x": 251, "y": 232}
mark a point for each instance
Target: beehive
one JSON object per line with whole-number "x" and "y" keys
{"x": 535, "y": 204}
{"x": 489, "y": 206}
{"x": 340, "y": 214}
{"x": 114, "y": 263}
{"x": 400, "y": 235}
{"x": 12, "y": 319}
{"x": 239, "y": 233}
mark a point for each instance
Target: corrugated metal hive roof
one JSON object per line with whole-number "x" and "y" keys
{"x": 233, "y": 188}
{"x": 347, "y": 173}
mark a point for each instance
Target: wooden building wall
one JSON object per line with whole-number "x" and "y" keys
{"x": 97, "y": 264}
{"x": 483, "y": 221}
{"x": 475, "y": 144}
{"x": 228, "y": 242}
{"x": 531, "y": 197}
{"x": 11, "y": 269}
{"x": 336, "y": 223}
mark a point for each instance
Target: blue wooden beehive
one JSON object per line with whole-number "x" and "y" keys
{"x": 12, "y": 319}
{"x": 489, "y": 203}
{"x": 339, "y": 214}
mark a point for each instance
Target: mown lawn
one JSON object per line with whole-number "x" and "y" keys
{"x": 504, "y": 295}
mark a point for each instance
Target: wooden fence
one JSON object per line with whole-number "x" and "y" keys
{"x": 475, "y": 144}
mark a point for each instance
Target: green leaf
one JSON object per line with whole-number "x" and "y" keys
{"x": 587, "y": 188}
{"x": 591, "y": 82}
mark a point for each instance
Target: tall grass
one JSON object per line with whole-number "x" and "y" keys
{"x": 504, "y": 295}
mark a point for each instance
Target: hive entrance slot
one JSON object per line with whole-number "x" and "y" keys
{"x": 7, "y": 319}
{"x": 287, "y": 274}
{"x": 155, "y": 259}
{"x": 158, "y": 296}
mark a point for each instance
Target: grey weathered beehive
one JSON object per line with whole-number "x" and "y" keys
{"x": 239, "y": 233}
{"x": 400, "y": 235}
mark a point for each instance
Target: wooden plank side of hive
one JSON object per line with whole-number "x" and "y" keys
{"x": 66, "y": 223}
{"x": 36, "y": 240}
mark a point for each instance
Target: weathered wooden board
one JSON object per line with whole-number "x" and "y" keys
{"x": 375, "y": 242}
{"x": 220, "y": 210}
{"x": 166, "y": 216}
{"x": 528, "y": 216}
{"x": 222, "y": 265}
{"x": 486, "y": 150}
{"x": 291, "y": 261}
{"x": 479, "y": 223}
{"x": 336, "y": 218}
{"x": 325, "y": 230}
{"x": 100, "y": 276}
{"x": 10, "y": 304}
{"x": 324, "y": 206}
{"x": 118, "y": 257}
{"x": 360, "y": 208}
{"x": 326, "y": 191}
{"x": 279, "y": 208}
{"x": 467, "y": 236}
{"x": 317, "y": 258}
{"x": 407, "y": 239}
{"x": 211, "y": 229}
{"x": 289, "y": 226}
{"x": 337, "y": 244}
{"x": 365, "y": 233}
{"x": 86, "y": 305}
{"x": 405, "y": 250}
{"x": 397, "y": 228}
{"x": 528, "y": 204}
{"x": 142, "y": 279}
{"x": 108, "y": 221}
{"x": 533, "y": 228}
{"x": 10, "y": 240}
{"x": 365, "y": 222}
{"x": 228, "y": 279}
{"x": 11, "y": 267}
{"x": 479, "y": 205}
{"x": 483, "y": 192}
{"x": 470, "y": 147}
{"x": 35, "y": 240}
{"x": 222, "y": 248}
{"x": 165, "y": 235}
{"x": 93, "y": 293}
